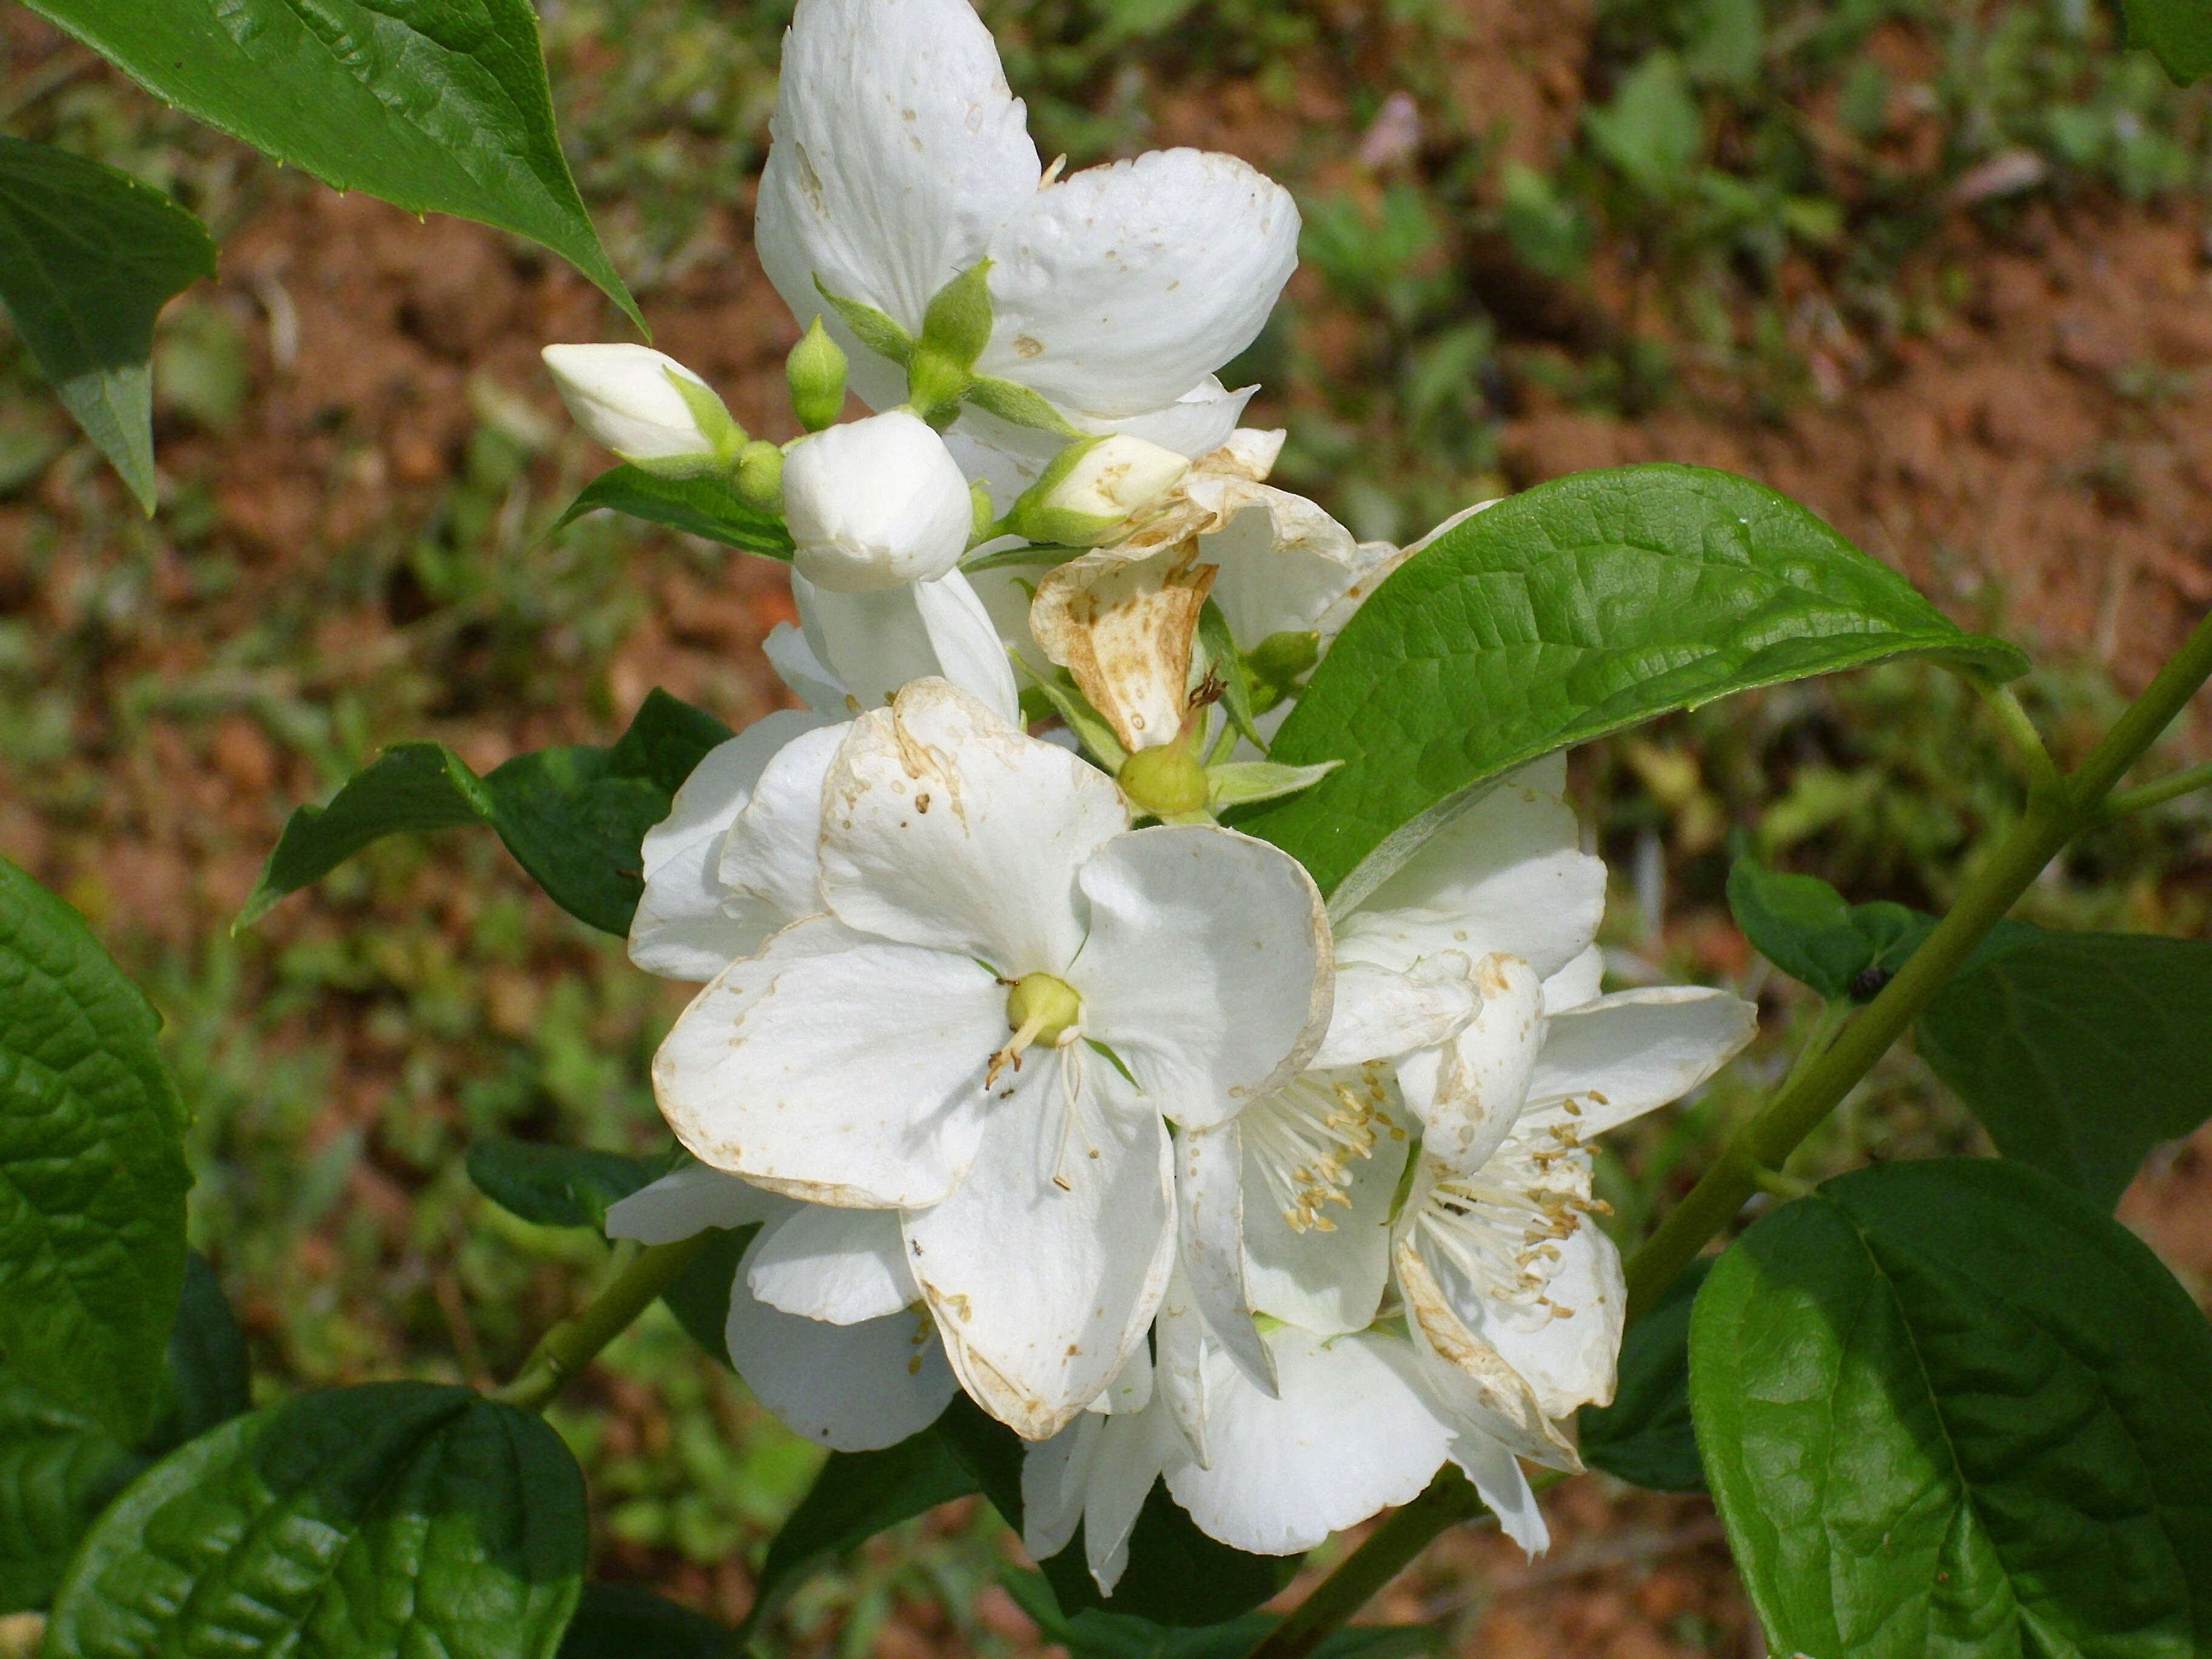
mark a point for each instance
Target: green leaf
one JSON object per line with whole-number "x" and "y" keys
{"x": 628, "y": 1621}
{"x": 208, "y": 1379}
{"x": 59, "y": 1469}
{"x": 698, "y": 506}
{"x": 1812, "y": 933}
{"x": 92, "y": 1167}
{"x": 856, "y": 1496}
{"x": 555, "y": 1186}
{"x": 1177, "y": 1575}
{"x": 1652, "y": 131}
{"x": 437, "y": 105}
{"x": 1563, "y": 613}
{"x": 2178, "y": 33}
{"x": 88, "y": 256}
{"x": 397, "y": 1519}
{"x": 1096, "y": 1635}
{"x": 2080, "y": 1052}
{"x": 1948, "y": 1407}
{"x": 1645, "y": 1435}
{"x": 574, "y": 818}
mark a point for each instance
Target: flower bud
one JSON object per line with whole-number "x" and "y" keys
{"x": 816, "y": 369}
{"x": 874, "y": 503}
{"x": 1092, "y": 488}
{"x": 758, "y": 476}
{"x": 648, "y": 407}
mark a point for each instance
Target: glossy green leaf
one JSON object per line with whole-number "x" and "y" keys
{"x": 1567, "y": 611}
{"x": 92, "y": 1167}
{"x": 88, "y": 256}
{"x": 555, "y": 1186}
{"x": 1812, "y": 933}
{"x": 2178, "y": 33}
{"x": 1096, "y": 1635}
{"x": 1645, "y": 1437}
{"x": 208, "y": 1379}
{"x": 856, "y": 1496}
{"x": 1177, "y": 1575}
{"x": 1949, "y": 1408}
{"x": 698, "y": 506}
{"x": 2079, "y": 1051}
{"x": 628, "y": 1621}
{"x": 392, "y": 1521}
{"x": 58, "y": 1468}
{"x": 574, "y": 818}
{"x": 438, "y": 106}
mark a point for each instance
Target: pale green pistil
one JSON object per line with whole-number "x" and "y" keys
{"x": 1040, "y": 1008}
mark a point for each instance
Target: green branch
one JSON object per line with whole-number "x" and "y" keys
{"x": 2058, "y": 809}
{"x": 576, "y": 1341}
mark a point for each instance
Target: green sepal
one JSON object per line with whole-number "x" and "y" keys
{"x": 1238, "y": 783}
{"x": 1087, "y": 723}
{"x": 957, "y": 325}
{"x": 1229, "y": 668}
{"x": 1018, "y": 406}
{"x": 871, "y": 326}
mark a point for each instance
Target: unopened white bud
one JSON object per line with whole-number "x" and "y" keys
{"x": 874, "y": 503}
{"x": 1092, "y": 488}
{"x": 647, "y": 407}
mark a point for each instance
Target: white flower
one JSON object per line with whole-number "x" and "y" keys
{"x": 825, "y": 1324}
{"x": 1092, "y": 489}
{"x": 875, "y": 503}
{"x": 1007, "y": 992}
{"x": 901, "y": 161}
{"x": 1122, "y": 618}
{"x": 648, "y": 407}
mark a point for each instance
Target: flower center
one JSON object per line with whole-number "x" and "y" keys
{"x": 1305, "y": 1139}
{"x": 1041, "y": 1008}
{"x": 1501, "y": 1226}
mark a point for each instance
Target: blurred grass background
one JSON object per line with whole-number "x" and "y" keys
{"x": 1536, "y": 240}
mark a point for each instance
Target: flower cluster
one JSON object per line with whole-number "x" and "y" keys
{"x": 1040, "y": 1082}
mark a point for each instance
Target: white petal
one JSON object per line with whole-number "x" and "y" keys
{"x": 948, "y": 827}
{"x": 1056, "y": 1481}
{"x": 1133, "y": 1452}
{"x": 1044, "y": 1294}
{"x": 792, "y": 655}
{"x": 1624, "y": 1055}
{"x": 1568, "y": 1362}
{"x": 1467, "y": 1374}
{"x": 1579, "y": 981}
{"x": 1380, "y": 1014}
{"x": 771, "y": 861}
{"x": 1328, "y": 1283}
{"x": 1286, "y": 566}
{"x": 1181, "y": 1345}
{"x": 689, "y": 1200}
{"x": 871, "y": 644}
{"x": 851, "y": 1388}
{"x": 1508, "y": 874}
{"x": 1353, "y": 1432}
{"x": 1210, "y": 1231}
{"x": 875, "y": 504}
{"x": 1119, "y": 289}
{"x": 1131, "y": 1391}
{"x": 681, "y": 930}
{"x": 842, "y": 1266}
{"x": 1196, "y": 423}
{"x": 1207, "y": 969}
{"x": 1481, "y": 1081}
{"x": 836, "y": 1068}
{"x": 898, "y": 149}
{"x": 1499, "y": 1482}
